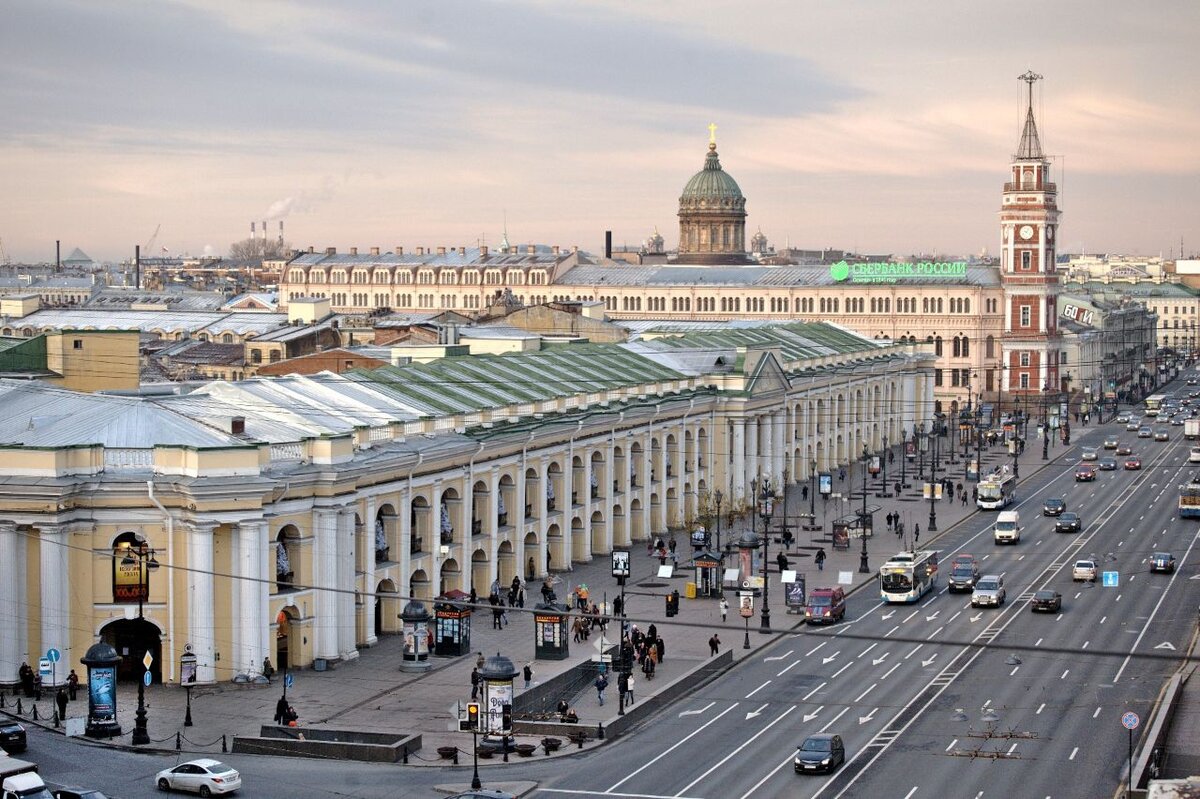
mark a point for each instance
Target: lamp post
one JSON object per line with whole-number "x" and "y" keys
{"x": 766, "y": 507}
{"x": 862, "y": 518}
{"x": 1045, "y": 424}
{"x": 620, "y": 570}
{"x": 141, "y": 556}
{"x": 922, "y": 445}
{"x": 933, "y": 482}
{"x": 718, "y": 497}
{"x": 903, "y": 458}
{"x": 812, "y": 491}
{"x": 883, "y": 460}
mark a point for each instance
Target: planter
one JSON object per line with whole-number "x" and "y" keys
{"x": 551, "y": 744}
{"x": 447, "y": 752}
{"x": 525, "y": 750}
{"x": 486, "y": 752}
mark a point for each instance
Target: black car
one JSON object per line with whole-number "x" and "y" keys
{"x": 1054, "y": 506}
{"x": 1047, "y": 601}
{"x": 78, "y": 793}
{"x": 12, "y": 736}
{"x": 1162, "y": 562}
{"x": 818, "y": 753}
{"x": 1068, "y": 522}
{"x": 1108, "y": 464}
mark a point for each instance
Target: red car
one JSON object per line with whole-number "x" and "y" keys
{"x": 1133, "y": 464}
{"x": 1085, "y": 473}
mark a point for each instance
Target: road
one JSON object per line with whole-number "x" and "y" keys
{"x": 891, "y": 679}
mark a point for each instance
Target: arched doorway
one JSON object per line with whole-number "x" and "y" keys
{"x": 133, "y": 638}
{"x": 451, "y": 576}
{"x": 387, "y": 607}
{"x": 283, "y": 635}
{"x": 531, "y": 547}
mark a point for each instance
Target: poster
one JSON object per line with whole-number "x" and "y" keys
{"x": 825, "y": 484}
{"x": 496, "y": 696}
{"x": 129, "y": 583}
{"x": 102, "y": 692}
{"x": 795, "y": 593}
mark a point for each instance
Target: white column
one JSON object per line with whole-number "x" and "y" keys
{"x": 253, "y": 589}
{"x": 404, "y": 541}
{"x": 1008, "y": 313}
{"x": 365, "y": 554}
{"x": 752, "y": 465}
{"x": 325, "y": 640}
{"x": 927, "y": 405}
{"x": 737, "y": 469}
{"x": 201, "y": 628}
{"x": 54, "y": 579}
{"x": 347, "y": 619}
{"x": 778, "y": 447}
{"x": 766, "y": 447}
{"x": 12, "y": 588}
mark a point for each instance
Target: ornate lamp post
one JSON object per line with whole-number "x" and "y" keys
{"x": 1045, "y": 424}
{"x": 922, "y": 445}
{"x": 812, "y": 490}
{"x": 620, "y": 570}
{"x": 717, "y": 497}
{"x": 862, "y": 518}
{"x": 883, "y": 461}
{"x": 141, "y": 556}
{"x": 766, "y": 507}
{"x": 933, "y": 480}
{"x": 903, "y": 458}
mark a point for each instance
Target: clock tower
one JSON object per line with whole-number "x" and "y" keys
{"x": 1029, "y": 232}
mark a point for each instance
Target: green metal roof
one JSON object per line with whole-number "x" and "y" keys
{"x": 712, "y": 182}
{"x": 797, "y": 341}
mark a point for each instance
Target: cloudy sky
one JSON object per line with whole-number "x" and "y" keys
{"x": 876, "y": 125}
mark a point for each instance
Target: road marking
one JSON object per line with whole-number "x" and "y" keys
{"x": 976, "y": 617}
{"x": 1012, "y": 749}
{"x": 880, "y": 659}
{"x": 930, "y": 601}
{"x": 909, "y": 616}
{"x": 955, "y": 616}
{"x": 1097, "y": 713}
{"x": 1102, "y": 619}
{"x": 786, "y": 669}
{"x": 951, "y": 746}
{"x": 1058, "y": 617}
{"x": 1041, "y": 707}
{"x": 815, "y": 648}
{"x": 889, "y": 671}
{"x": 1078, "y": 595}
{"x": 889, "y": 632}
{"x": 934, "y": 616}
{"x": 832, "y": 721}
{"x": 1119, "y": 597}
{"x": 910, "y": 654}
{"x": 935, "y": 632}
{"x": 1022, "y": 557}
{"x": 1085, "y": 644}
{"x": 1064, "y": 674}
{"x": 839, "y": 671}
{"x": 1074, "y": 752}
{"x": 673, "y": 747}
{"x": 725, "y": 759}
{"x": 1039, "y": 642}
{"x": 759, "y": 688}
{"x": 810, "y": 716}
{"x": 696, "y": 712}
{"x": 778, "y": 657}
{"x": 831, "y": 658}
{"x": 1014, "y": 671}
{"x": 813, "y": 691}
{"x": 859, "y": 698}
{"x": 910, "y": 793}
{"x": 570, "y": 791}
{"x": 755, "y": 713}
{"x": 889, "y": 614}
{"x": 864, "y": 719}
{"x": 865, "y": 651}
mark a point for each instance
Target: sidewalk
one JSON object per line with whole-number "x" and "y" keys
{"x": 371, "y": 694}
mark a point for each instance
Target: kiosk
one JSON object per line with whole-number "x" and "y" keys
{"x": 551, "y": 641}
{"x": 708, "y": 574}
{"x": 451, "y": 628}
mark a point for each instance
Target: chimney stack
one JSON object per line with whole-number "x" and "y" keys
{"x": 441, "y": 251}
{"x": 281, "y": 231}
{"x": 420, "y": 251}
{"x": 57, "y": 254}
{"x": 354, "y": 251}
{"x": 483, "y": 250}
{"x": 399, "y": 251}
{"x": 554, "y": 249}
{"x": 253, "y": 230}
{"x": 462, "y": 250}
{"x": 311, "y": 248}
{"x": 608, "y": 244}
{"x": 374, "y": 251}
{"x": 331, "y": 250}
{"x": 137, "y": 266}
{"x": 530, "y": 249}
{"x": 264, "y": 230}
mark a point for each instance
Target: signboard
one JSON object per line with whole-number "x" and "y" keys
{"x": 129, "y": 579}
{"x": 794, "y": 593}
{"x": 53, "y": 655}
{"x": 44, "y": 667}
{"x": 746, "y": 604}
{"x": 497, "y": 695}
{"x": 932, "y": 490}
{"x": 1130, "y": 721}
{"x": 102, "y": 690}
{"x": 825, "y": 483}
{"x": 288, "y": 680}
{"x": 873, "y": 466}
{"x": 620, "y": 563}
{"x": 1110, "y": 579}
{"x": 887, "y": 272}
{"x": 1077, "y": 314}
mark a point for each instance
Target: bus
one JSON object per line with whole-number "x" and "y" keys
{"x": 1189, "y": 499}
{"x": 908, "y": 576}
{"x": 1154, "y": 404}
{"x": 996, "y": 491}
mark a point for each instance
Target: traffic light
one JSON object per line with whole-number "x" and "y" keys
{"x": 672, "y": 603}
{"x": 471, "y": 722}
{"x": 506, "y": 718}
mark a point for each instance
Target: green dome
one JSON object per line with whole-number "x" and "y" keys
{"x": 712, "y": 182}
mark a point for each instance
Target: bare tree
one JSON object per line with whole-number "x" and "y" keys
{"x": 254, "y": 249}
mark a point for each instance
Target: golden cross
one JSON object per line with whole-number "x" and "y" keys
{"x": 712, "y": 133}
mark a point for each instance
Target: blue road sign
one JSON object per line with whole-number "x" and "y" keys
{"x": 288, "y": 679}
{"x": 1130, "y": 721}
{"x": 53, "y": 655}
{"x": 147, "y": 678}
{"x": 1110, "y": 579}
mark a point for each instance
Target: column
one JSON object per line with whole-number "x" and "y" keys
{"x": 12, "y": 588}
{"x": 201, "y": 628}
{"x": 779, "y": 447}
{"x": 737, "y": 470}
{"x": 347, "y": 620}
{"x": 365, "y": 554}
{"x": 55, "y": 580}
{"x": 752, "y": 465}
{"x": 766, "y": 447}
{"x": 404, "y": 541}
{"x": 253, "y": 586}
{"x": 927, "y": 406}
{"x": 325, "y": 641}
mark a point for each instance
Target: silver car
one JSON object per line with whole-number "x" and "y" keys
{"x": 989, "y": 590}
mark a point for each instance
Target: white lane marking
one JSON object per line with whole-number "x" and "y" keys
{"x": 813, "y": 691}
{"x": 1064, "y": 674}
{"x": 725, "y": 759}
{"x": 909, "y": 616}
{"x": 696, "y": 712}
{"x": 673, "y": 747}
{"x": 951, "y": 746}
{"x": 759, "y": 688}
{"x": 935, "y": 632}
{"x": 910, "y": 793}
{"x": 1097, "y": 713}
{"x": 815, "y": 648}
{"x": 784, "y": 656}
{"x": 1119, "y": 597}
{"x": 839, "y": 671}
{"x": 889, "y": 671}
{"x": 865, "y": 651}
{"x": 1103, "y": 619}
{"x": 889, "y": 632}
{"x": 1039, "y": 642}
{"x": 955, "y": 616}
{"x": 1012, "y": 749}
{"x": 1074, "y": 752}
{"x": 756, "y": 713}
{"x": 859, "y": 698}
{"x": 1014, "y": 671}
{"x": 1041, "y": 707}
{"x": 910, "y": 654}
{"x": 1085, "y": 644}
{"x": 786, "y": 669}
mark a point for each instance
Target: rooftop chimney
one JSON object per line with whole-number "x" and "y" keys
{"x": 554, "y": 249}
{"x": 441, "y": 250}
{"x": 57, "y": 254}
{"x": 331, "y": 250}
{"x": 530, "y": 249}
{"x": 420, "y": 251}
{"x": 483, "y": 250}
{"x": 354, "y": 251}
{"x": 374, "y": 251}
{"x": 399, "y": 251}
{"x": 310, "y": 248}
{"x": 608, "y": 244}
{"x": 574, "y": 248}
{"x": 264, "y": 230}
{"x": 237, "y": 425}
{"x": 462, "y": 250}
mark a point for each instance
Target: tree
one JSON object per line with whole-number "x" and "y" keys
{"x": 256, "y": 249}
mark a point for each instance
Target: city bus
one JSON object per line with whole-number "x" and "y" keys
{"x": 1154, "y": 404}
{"x": 908, "y": 576}
{"x": 1189, "y": 499}
{"x": 996, "y": 491}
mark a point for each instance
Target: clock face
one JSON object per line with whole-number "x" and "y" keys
{"x": 1049, "y": 232}
{"x": 1026, "y": 231}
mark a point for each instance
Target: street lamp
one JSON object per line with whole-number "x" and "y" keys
{"x": 620, "y": 570}
{"x": 812, "y": 491}
{"x": 1045, "y": 423}
{"x": 884, "y": 459}
{"x": 141, "y": 556}
{"x": 903, "y": 458}
{"x": 922, "y": 445}
{"x": 718, "y": 497}
{"x": 862, "y": 519}
{"x": 766, "y": 507}
{"x": 933, "y": 480}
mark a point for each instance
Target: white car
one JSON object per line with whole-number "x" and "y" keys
{"x": 1194, "y": 455}
{"x": 206, "y": 777}
{"x": 1084, "y": 570}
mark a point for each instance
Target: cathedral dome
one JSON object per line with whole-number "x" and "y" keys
{"x": 712, "y": 182}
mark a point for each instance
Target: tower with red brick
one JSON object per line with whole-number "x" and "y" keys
{"x": 1029, "y": 229}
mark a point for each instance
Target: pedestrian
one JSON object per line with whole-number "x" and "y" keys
{"x": 601, "y": 683}
{"x": 563, "y": 709}
{"x": 842, "y": 474}
{"x": 474, "y": 599}
{"x": 72, "y": 685}
{"x": 819, "y": 559}
{"x": 648, "y": 667}
{"x": 476, "y": 679}
{"x": 60, "y": 699}
{"x": 652, "y": 634}
{"x": 963, "y": 497}
{"x": 891, "y": 457}
{"x": 916, "y": 532}
{"x": 281, "y": 710}
{"x": 291, "y": 718}
{"x": 527, "y": 672}
{"x": 521, "y": 598}
{"x": 714, "y": 645}
{"x": 672, "y": 544}
{"x": 503, "y": 615}
{"x": 724, "y": 609}
{"x": 496, "y": 611}
{"x": 622, "y": 689}
{"x": 37, "y": 687}
{"x": 26, "y": 675}
{"x": 804, "y": 493}
{"x": 479, "y": 660}
{"x": 974, "y": 493}
{"x": 629, "y": 687}
{"x": 660, "y": 647}
{"x": 576, "y": 630}
{"x": 782, "y": 561}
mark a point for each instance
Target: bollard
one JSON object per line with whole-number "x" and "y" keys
{"x": 456, "y": 755}
{"x": 1, "y": 699}
{"x": 178, "y": 742}
{"x": 20, "y": 710}
{"x": 404, "y": 755}
{"x": 223, "y": 749}
{"x": 580, "y": 739}
{"x": 600, "y": 730}
{"x": 56, "y": 724}
{"x": 35, "y": 715}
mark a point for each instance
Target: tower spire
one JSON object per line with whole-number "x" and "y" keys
{"x": 1030, "y": 146}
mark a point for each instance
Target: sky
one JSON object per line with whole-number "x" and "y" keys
{"x": 871, "y": 125}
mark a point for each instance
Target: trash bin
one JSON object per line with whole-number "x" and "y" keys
{"x": 319, "y": 664}
{"x": 689, "y": 590}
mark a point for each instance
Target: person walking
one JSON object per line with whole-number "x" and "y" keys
{"x": 476, "y": 679}
{"x": 660, "y": 646}
{"x": 629, "y": 687}
{"x": 527, "y": 673}
{"x": 72, "y": 685}
{"x": 622, "y": 689}
{"x": 916, "y": 532}
{"x": 60, "y": 699}
{"x": 804, "y": 493}
{"x": 963, "y": 496}
{"x": 601, "y": 683}
{"x": 714, "y": 645}
{"x": 724, "y": 609}
{"x": 819, "y": 559}
{"x": 281, "y": 707}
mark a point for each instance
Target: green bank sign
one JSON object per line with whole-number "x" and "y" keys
{"x": 891, "y": 273}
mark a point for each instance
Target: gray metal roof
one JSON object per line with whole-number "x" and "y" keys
{"x": 694, "y": 276}
{"x": 169, "y": 322}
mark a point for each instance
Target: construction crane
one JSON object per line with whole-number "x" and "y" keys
{"x": 4, "y": 254}
{"x": 148, "y": 250}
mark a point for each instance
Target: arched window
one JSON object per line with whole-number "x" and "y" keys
{"x": 937, "y": 346}
{"x": 966, "y": 347}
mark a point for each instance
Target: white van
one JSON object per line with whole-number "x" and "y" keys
{"x": 1008, "y": 527}
{"x": 1194, "y": 455}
